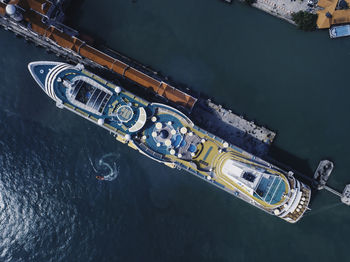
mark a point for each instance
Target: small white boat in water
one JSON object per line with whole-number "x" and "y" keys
{"x": 339, "y": 31}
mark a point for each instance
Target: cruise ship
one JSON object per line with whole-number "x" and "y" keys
{"x": 168, "y": 136}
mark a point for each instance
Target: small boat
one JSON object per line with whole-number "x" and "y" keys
{"x": 339, "y": 31}
{"x": 100, "y": 178}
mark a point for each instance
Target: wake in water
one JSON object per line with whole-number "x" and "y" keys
{"x": 106, "y": 168}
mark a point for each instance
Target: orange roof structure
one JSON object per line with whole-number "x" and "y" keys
{"x": 2, "y": 9}
{"x": 325, "y": 3}
{"x": 34, "y": 9}
{"x": 41, "y": 6}
{"x": 329, "y": 15}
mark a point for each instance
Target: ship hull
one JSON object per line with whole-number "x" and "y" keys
{"x": 168, "y": 136}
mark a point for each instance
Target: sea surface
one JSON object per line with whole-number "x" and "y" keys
{"x": 52, "y": 208}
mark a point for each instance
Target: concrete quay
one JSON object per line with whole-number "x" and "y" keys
{"x": 282, "y": 9}
{"x": 232, "y": 127}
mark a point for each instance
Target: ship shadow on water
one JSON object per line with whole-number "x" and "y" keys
{"x": 300, "y": 167}
{"x": 293, "y": 162}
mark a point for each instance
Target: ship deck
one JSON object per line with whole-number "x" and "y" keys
{"x": 168, "y": 136}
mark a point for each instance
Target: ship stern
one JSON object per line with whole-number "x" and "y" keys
{"x": 293, "y": 210}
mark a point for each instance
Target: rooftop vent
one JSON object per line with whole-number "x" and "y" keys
{"x": 12, "y": 12}
{"x": 329, "y": 15}
{"x": 343, "y": 4}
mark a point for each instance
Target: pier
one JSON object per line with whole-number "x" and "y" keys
{"x": 333, "y": 191}
{"x": 232, "y": 127}
{"x": 344, "y": 197}
{"x": 321, "y": 177}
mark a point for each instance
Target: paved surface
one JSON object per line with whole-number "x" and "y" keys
{"x": 281, "y": 8}
{"x": 232, "y": 128}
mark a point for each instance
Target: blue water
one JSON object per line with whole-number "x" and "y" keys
{"x": 52, "y": 208}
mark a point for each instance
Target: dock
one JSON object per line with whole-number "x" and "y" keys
{"x": 322, "y": 174}
{"x": 344, "y": 197}
{"x": 232, "y": 127}
{"x": 321, "y": 177}
{"x": 333, "y": 191}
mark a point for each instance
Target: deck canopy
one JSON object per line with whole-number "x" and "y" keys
{"x": 88, "y": 95}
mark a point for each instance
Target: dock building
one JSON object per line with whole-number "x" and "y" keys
{"x": 333, "y": 12}
{"x": 42, "y": 17}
